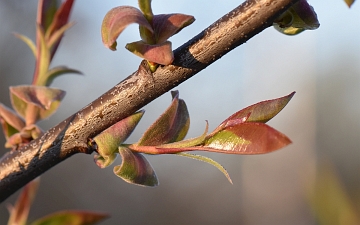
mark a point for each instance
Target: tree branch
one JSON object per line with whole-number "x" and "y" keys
{"x": 72, "y": 135}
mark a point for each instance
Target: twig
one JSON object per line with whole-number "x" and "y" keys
{"x": 71, "y": 136}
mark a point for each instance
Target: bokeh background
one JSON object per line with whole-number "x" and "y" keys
{"x": 322, "y": 66}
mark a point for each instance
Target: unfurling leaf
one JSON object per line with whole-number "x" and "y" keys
{"x": 166, "y": 25}
{"x": 20, "y": 211}
{"x": 28, "y": 42}
{"x": 135, "y": 169}
{"x": 71, "y": 217}
{"x": 110, "y": 139}
{"x": 171, "y": 126}
{"x": 301, "y": 16}
{"x": 160, "y": 53}
{"x": 207, "y": 160}
{"x": 117, "y": 19}
{"x": 11, "y": 122}
{"x": 45, "y": 99}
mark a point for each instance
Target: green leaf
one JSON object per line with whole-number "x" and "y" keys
{"x": 207, "y": 160}
{"x": 166, "y": 25}
{"x": 135, "y": 169}
{"x": 246, "y": 138}
{"x": 27, "y": 41}
{"x": 43, "y": 56}
{"x": 71, "y": 217}
{"x": 45, "y": 99}
{"x": 117, "y": 19}
{"x": 9, "y": 117}
{"x": 110, "y": 139}
{"x": 160, "y": 53}
{"x": 20, "y": 211}
{"x": 57, "y": 71}
{"x": 171, "y": 126}
{"x": 145, "y": 7}
{"x": 262, "y": 111}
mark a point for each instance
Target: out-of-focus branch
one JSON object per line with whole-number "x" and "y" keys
{"x": 71, "y": 136}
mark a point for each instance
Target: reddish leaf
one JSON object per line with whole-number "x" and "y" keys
{"x": 262, "y": 111}
{"x": 110, "y": 139}
{"x": 71, "y": 217}
{"x": 46, "y": 12}
{"x": 166, "y": 25}
{"x": 58, "y": 71}
{"x": 9, "y": 117}
{"x": 116, "y": 20}
{"x": 171, "y": 126}
{"x": 161, "y": 54}
{"x": 45, "y": 98}
{"x": 247, "y": 138}
{"x": 135, "y": 169}
{"x": 19, "y": 213}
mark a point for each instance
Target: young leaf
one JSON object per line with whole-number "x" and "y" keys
{"x": 11, "y": 118}
{"x": 58, "y": 71}
{"x": 160, "y": 53}
{"x": 45, "y": 98}
{"x": 207, "y": 160}
{"x": 71, "y": 218}
{"x": 303, "y": 17}
{"x": 261, "y": 112}
{"x": 46, "y": 12}
{"x": 171, "y": 126}
{"x": 166, "y": 25}
{"x": 246, "y": 138}
{"x": 117, "y": 19}
{"x": 135, "y": 169}
{"x": 28, "y": 42}
{"x": 20, "y": 211}
{"x": 110, "y": 139}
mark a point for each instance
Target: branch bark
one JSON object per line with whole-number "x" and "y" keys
{"x": 71, "y": 136}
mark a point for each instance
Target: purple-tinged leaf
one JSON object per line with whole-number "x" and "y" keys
{"x": 59, "y": 22}
{"x": 349, "y": 2}
{"x": 45, "y": 99}
{"x": 55, "y": 38}
{"x": 161, "y": 54}
{"x": 171, "y": 126}
{"x": 262, "y": 111}
{"x": 28, "y": 42}
{"x": 11, "y": 118}
{"x": 135, "y": 169}
{"x": 207, "y": 160}
{"x": 116, "y": 20}
{"x": 20, "y": 211}
{"x": 166, "y": 25}
{"x": 24, "y": 136}
{"x": 71, "y": 217}
{"x": 300, "y": 17}
{"x": 247, "y": 138}
{"x": 145, "y": 7}
{"x": 110, "y": 139}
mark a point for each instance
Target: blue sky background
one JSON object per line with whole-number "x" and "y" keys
{"x": 322, "y": 66}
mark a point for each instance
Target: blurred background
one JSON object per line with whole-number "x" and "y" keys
{"x": 322, "y": 66}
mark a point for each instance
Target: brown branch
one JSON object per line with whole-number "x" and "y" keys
{"x": 71, "y": 136}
